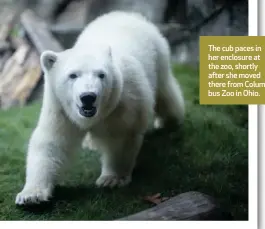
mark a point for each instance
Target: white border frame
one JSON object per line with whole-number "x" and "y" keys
{"x": 253, "y": 134}
{"x": 261, "y": 108}
{"x": 253, "y": 178}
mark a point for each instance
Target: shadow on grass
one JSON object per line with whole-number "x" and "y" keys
{"x": 147, "y": 177}
{"x": 169, "y": 163}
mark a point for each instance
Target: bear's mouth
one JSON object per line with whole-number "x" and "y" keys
{"x": 87, "y": 111}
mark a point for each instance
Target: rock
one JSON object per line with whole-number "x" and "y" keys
{"x": 232, "y": 21}
{"x": 79, "y": 13}
{"x": 189, "y": 19}
{"x": 152, "y": 9}
{"x": 38, "y": 32}
{"x": 4, "y": 47}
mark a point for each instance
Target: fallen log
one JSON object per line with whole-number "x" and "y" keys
{"x": 7, "y": 23}
{"x": 31, "y": 77}
{"x": 23, "y": 83}
{"x": 4, "y": 58}
{"x": 20, "y": 75}
{"x": 38, "y": 32}
{"x": 67, "y": 33}
{"x": 186, "y": 206}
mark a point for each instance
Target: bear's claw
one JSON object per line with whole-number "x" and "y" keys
{"x": 27, "y": 197}
{"x": 112, "y": 181}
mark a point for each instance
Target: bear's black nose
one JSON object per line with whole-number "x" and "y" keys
{"x": 88, "y": 99}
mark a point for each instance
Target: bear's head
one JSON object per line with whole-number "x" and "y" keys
{"x": 86, "y": 84}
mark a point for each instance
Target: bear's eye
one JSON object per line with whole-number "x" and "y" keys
{"x": 73, "y": 76}
{"x": 101, "y": 74}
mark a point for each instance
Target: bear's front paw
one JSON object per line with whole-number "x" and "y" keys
{"x": 33, "y": 196}
{"x": 112, "y": 181}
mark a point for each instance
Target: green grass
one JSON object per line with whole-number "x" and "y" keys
{"x": 209, "y": 154}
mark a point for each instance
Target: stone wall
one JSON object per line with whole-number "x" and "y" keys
{"x": 190, "y": 19}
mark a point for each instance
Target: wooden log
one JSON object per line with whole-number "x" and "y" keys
{"x": 20, "y": 75}
{"x": 4, "y": 58}
{"x": 18, "y": 57}
{"x": 8, "y": 82}
{"x": 67, "y": 33}
{"x": 50, "y": 9}
{"x": 6, "y": 23}
{"x": 60, "y": 8}
{"x": 4, "y": 47}
{"x": 70, "y": 23}
{"x": 39, "y": 33}
{"x": 18, "y": 83}
{"x": 186, "y": 206}
{"x": 29, "y": 81}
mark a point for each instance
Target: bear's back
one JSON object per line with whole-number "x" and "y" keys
{"x": 128, "y": 33}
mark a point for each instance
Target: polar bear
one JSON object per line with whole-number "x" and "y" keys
{"x": 104, "y": 89}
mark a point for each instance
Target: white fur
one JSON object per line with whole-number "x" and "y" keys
{"x": 138, "y": 84}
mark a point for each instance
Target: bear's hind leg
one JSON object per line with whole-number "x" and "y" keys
{"x": 170, "y": 106}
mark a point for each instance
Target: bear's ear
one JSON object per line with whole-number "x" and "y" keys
{"x": 47, "y": 59}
